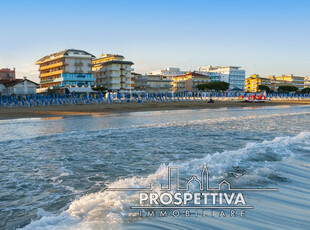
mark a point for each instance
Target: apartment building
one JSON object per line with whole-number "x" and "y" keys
{"x": 153, "y": 83}
{"x": 252, "y": 83}
{"x": 7, "y": 74}
{"x": 113, "y": 72}
{"x": 140, "y": 82}
{"x": 158, "y": 83}
{"x": 69, "y": 67}
{"x": 189, "y": 82}
{"x": 292, "y": 80}
{"x": 233, "y": 75}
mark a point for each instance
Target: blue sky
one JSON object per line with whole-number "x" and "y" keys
{"x": 265, "y": 37}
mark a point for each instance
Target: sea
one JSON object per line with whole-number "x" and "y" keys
{"x": 55, "y": 172}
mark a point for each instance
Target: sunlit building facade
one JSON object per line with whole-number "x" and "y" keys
{"x": 113, "y": 72}
{"x": 307, "y": 82}
{"x": 188, "y": 82}
{"x": 233, "y": 75}
{"x": 292, "y": 80}
{"x": 252, "y": 83}
{"x": 69, "y": 67}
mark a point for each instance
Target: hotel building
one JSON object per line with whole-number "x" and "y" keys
{"x": 252, "y": 83}
{"x": 113, "y": 72}
{"x": 189, "y": 82}
{"x": 230, "y": 74}
{"x": 66, "y": 68}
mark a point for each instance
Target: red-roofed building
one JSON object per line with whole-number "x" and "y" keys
{"x": 18, "y": 87}
{"x": 7, "y": 74}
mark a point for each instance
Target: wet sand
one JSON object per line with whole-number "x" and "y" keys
{"x": 103, "y": 109}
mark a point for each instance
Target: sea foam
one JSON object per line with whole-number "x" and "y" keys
{"x": 109, "y": 210}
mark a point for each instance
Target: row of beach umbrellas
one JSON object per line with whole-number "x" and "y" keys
{"x": 98, "y": 98}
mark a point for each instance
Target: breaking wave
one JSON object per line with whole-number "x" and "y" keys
{"x": 110, "y": 210}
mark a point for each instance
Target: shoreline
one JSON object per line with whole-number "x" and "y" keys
{"x": 105, "y": 109}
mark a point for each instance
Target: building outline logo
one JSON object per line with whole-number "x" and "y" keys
{"x": 203, "y": 187}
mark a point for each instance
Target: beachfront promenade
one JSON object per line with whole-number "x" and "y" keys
{"x": 100, "y": 98}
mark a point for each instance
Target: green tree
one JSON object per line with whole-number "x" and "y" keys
{"x": 287, "y": 89}
{"x": 264, "y": 88}
{"x": 218, "y": 86}
{"x": 99, "y": 88}
{"x": 305, "y": 90}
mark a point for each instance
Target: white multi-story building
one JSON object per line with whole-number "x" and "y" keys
{"x": 69, "y": 67}
{"x": 230, "y": 74}
{"x": 168, "y": 72}
{"x": 113, "y": 72}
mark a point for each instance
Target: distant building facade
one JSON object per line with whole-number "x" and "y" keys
{"x": 7, "y": 74}
{"x": 66, "y": 68}
{"x": 113, "y": 72}
{"x": 153, "y": 83}
{"x": 18, "y": 87}
{"x": 140, "y": 82}
{"x": 286, "y": 80}
{"x": 168, "y": 72}
{"x": 230, "y": 74}
{"x": 189, "y": 82}
{"x": 159, "y": 83}
{"x": 252, "y": 83}
{"x": 307, "y": 82}
{"x": 296, "y": 81}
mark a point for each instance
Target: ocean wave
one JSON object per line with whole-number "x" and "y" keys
{"x": 105, "y": 132}
{"x": 109, "y": 210}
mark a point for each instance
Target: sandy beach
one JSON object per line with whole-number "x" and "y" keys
{"x": 102, "y": 109}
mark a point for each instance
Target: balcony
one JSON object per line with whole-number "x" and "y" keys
{"x": 112, "y": 75}
{"x": 58, "y": 64}
{"x": 78, "y": 64}
{"x": 58, "y": 72}
{"x": 112, "y": 68}
{"x": 113, "y": 82}
{"x": 46, "y": 81}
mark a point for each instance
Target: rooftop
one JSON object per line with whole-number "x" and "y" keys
{"x": 61, "y": 54}
{"x": 193, "y": 74}
{"x": 13, "y": 82}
